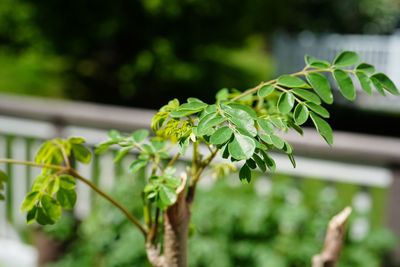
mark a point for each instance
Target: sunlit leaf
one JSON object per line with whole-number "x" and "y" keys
{"x": 345, "y": 84}
{"x": 321, "y": 86}
{"x": 346, "y": 58}
{"x": 323, "y": 128}
{"x": 241, "y": 147}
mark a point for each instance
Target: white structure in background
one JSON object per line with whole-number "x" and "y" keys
{"x": 13, "y": 252}
{"x": 382, "y": 51}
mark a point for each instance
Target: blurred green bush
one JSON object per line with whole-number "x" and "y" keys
{"x": 116, "y": 51}
{"x": 264, "y": 224}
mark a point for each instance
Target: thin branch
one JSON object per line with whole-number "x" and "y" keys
{"x": 154, "y": 227}
{"x": 34, "y": 164}
{"x": 333, "y": 241}
{"x": 64, "y": 154}
{"x": 300, "y": 73}
{"x": 128, "y": 215}
{"x": 173, "y": 160}
{"x": 196, "y": 176}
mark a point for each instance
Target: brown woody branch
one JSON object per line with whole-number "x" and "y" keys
{"x": 333, "y": 241}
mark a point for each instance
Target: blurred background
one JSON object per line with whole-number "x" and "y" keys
{"x": 82, "y": 67}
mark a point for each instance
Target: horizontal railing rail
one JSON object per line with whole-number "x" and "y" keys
{"x": 359, "y": 148}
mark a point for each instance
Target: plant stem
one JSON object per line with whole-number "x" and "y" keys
{"x": 173, "y": 160}
{"x": 34, "y": 164}
{"x": 128, "y": 215}
{"x": 299, "y": 73}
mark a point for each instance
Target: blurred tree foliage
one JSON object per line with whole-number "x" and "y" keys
{"x": 119, "y": 51}
{"x": 279, "y": 224}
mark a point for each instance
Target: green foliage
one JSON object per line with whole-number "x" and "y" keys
{"x": 282, "y": 228}
{"x": 162, "y": 189}
{"x": 3, "y": 180}
{"x": 54, "y": 189}
{"x": 243, "y": 125}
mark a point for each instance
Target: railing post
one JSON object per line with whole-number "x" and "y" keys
{"x": 393, "y": 212}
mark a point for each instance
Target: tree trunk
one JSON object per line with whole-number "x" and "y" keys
{"x": 176, "y": 225}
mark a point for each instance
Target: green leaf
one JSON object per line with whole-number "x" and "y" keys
{"x": 66, "y": 198}
{"x": 225, "y": 153}
{"x": 307, "y": 95}
{"x": 3, "y": 177}
{"x": 209, "y": 121}
{"x": 320, "y": 110}
{"x": 242, "y": 147}
{"x": 245, "y": 108}
{"x": 300, "y": 114}
{"x": 287, "y": 148}
{"x": 31, "y": 215}
{"x": 345, "y": 84}
{"x": 137, "y": 165}
{"x": 292, "y": 82}
{"x": 194, "y": 99}
{"x": 51, "y": 207}
{"x": 386, "y": 83}
{"x": 221, "y": 136}
{"x": 41, "y": 182}
{"x": 286, "y": 102}
{"x": 167, "y": 195}
{"x": 260, "y": 163}
{"x": 172, "y": 181}
{"x": 245, "y": 173}
{"x": 292, "y": 160}
{"x": 266, "y": 138}
{"x": 378, "y": 86}
{"x": 265, "y": 90}
{"x": 365, "y": 82}
{"x": 114, "y": 135}
{"x": 279, "y": 123}
{"x": 188, "y": 109}
{"x": 53, "y": 186}
{"x": 323, "y": 128}
{"x": 81, "y": 153}
{"x": 268, "y": 161}
{"x": 222, "y": 94}
{"x": 122, "y": 153}
{"x": 316, "y": 63}
{"x": 241, "y": 119}
{"x": 140, "y": 135}
{"x": 366, "y": 68}
{"x": 104, "y": 146}
{"x": 321, "y": 86}
{"x": 194, "y": 105}
{"x": 251, "y": 163}
{"x": 67, "y": 181}
{"x": 42, "y": 217}
{"x": 183, "y": 113}
{"x": 277, "y": 141}
{"x": 30, "y": 200}
{"x": 346, "y": 58}
{"x": 76, "y": 140}
{"x": 266, "y": 125}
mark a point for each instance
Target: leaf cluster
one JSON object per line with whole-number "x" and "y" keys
{"x": 247, "y": 126}
{"x": 151, "y": 152}
{"x": 54, "y": 188}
